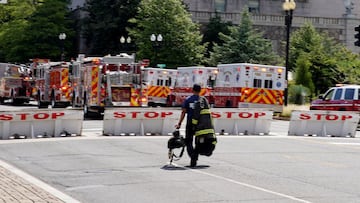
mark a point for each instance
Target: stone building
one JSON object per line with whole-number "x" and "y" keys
{"x": 337, "y": 17}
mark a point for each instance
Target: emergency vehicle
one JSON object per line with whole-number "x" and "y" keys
{"x": 16, "y": 83}
{"x": 159, "y": 84}
{"x": 107, "y": 81}
{"x": 245, "y": 85}
{"x": 52, "y": 83}
{"x": 339, "y": 98}
{"x": 188, "y": 76}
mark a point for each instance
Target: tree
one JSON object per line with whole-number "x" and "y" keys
{"x": 105, "y": 23}
{"x": 212, "y": 30}
{"x": 36, "y": 35}
{"x": 181, "y": 45}
{"x": 330, "y": 62}
{"x": 243, "y": 45}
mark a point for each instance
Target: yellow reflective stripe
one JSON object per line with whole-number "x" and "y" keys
{"x": 194, "y": 121}
{"x": 204, "y": 132}
{"x": 205, "y": 111}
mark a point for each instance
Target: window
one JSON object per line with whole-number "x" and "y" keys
{"x": 257, "y": 83}
{"x": 253, "y": 6}
{"x": 349, "y": 94}
{"x": 159, "y": 82}
{"x": 220, "y": 5}
{"x": 268, "y": 84}
{"x": 338, "y": 94}
{"x": 329, "y": 94}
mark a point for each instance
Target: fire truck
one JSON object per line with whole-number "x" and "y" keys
{"x": 159, "y": 84}
{"x": 250, "y": 86}
{"x": 188, "y": 76}
{"x": 52, "y": 83}
{"x": 16, "y": 83}
{"x": 107, "y": 81}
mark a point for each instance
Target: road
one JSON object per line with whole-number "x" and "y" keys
{"x": 275, "y": 168}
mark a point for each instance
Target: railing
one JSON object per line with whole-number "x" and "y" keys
{"x": 271, "y": 20}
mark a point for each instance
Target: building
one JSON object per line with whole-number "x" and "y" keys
{"x": 338, "y": 18}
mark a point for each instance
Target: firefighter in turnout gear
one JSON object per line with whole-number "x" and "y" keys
{"x": 197, "y": 128}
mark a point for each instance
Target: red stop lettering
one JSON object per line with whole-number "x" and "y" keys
{"x": 6, "y": 117}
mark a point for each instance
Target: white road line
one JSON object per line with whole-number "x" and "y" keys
{"x": 64, "y": 197}
{"x": 344, "y": 143}
{"x": 246, "y": 185}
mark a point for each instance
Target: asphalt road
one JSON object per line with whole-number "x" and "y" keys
{"x": 275, "y": 168}
{"x": 260, "y": 169}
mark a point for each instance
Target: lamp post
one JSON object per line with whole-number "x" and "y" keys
{"x": 156, "y": 40}
{"x": 288, "y": 7}
{"x": 62, "y": 37}
{"x": 125, "y": 42}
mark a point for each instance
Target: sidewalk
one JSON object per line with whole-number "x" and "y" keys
{"x": 15, "y": 189}
{"x": 18, "y": 187}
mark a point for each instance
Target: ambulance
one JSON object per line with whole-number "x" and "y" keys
{"x": 245, "y": 85}
{"x": 188, "y": 76}
{"x": 159, "y": 84}
{"x": 52, "y": 83}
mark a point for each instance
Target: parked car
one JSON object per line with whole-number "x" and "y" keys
{"x": 341, "y": 98}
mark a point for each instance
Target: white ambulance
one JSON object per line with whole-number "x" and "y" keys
{"x": 159, "y": 84}
{"x": 188, "y": 76}
{"x": 245, "y": 85}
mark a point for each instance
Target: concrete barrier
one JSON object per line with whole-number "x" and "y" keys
{"x": 140, "y": 121}
{"x": 38, "y": 123}
{"x": 323, "y": 123}
{"x": 242, "y": 121}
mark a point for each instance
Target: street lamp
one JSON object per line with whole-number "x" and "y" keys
{"x": 62, "y": 37}
{"x": 288, "y": 7}
{"x": 125, "y": 42}
{"x": 156, "y": 40}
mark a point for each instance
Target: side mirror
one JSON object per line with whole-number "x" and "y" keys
{"x": 321, "y": 97}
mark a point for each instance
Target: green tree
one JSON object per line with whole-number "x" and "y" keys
{"x": 36, "y": 34}
{"x": 330, "y": 62}
{"x": 105, "y": 23}
{"x": 181, "y": 45}
{"x": 244, "y": 44}
{"x": 302, "y": 74}
{"x": 212, "y": 30}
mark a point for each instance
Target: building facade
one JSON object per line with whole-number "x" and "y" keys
{"x": 337, "y": 17}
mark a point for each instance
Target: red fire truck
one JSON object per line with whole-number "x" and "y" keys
{"x": 107, "y": 81}
{"x": 16, "y": 84}
{"x": 52, "y": 83}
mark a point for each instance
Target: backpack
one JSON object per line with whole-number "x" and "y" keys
{"x": 205, "y": 138}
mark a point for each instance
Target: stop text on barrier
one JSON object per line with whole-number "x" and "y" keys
{"x": 31, "y": 116}
{"x": 327, "y": 117}
{"x": 138, "y": 114}
{"x": 242, "y": 115}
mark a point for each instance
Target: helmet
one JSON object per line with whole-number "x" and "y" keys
{"x": 176, "y": 141}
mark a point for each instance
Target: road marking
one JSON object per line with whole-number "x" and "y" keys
{"x": 344, "y": 143}
{"x": 62, "y": 196}
{"x": 245, "y": 184}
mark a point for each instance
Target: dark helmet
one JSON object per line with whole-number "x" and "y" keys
{"x": 176, "y": 141}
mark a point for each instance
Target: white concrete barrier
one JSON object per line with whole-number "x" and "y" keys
{"x": 140, "y": 121}
{"x": 242, "y": 121}
{"x": 37, "y": 123}
{"x": 323, "y": 123}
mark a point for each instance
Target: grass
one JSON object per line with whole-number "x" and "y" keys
{"x": 289, "y": 108}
